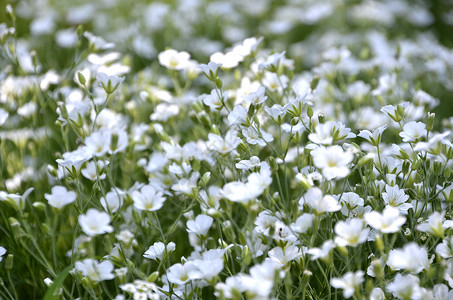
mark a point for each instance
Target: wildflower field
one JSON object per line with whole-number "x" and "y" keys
{"x": 211, "y": 149}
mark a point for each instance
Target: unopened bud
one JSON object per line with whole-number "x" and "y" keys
{"x": 153, "y": 277}
{"x": 81, "y": 78}
{"x": 273, "y": 164}
{"x": 310, "y": 112}
{"x": 321, "y": 118}
{"x": 9, "y": 262}
{"x": 430, "y": 121}
{"x": 218, "y": 83}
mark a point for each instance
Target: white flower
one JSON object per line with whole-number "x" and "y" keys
{"x": 3, "y": 116}
{"x": 396, "y": 197}
{"x": 349, "y": 282}
{"x": 350, "y": 232}
{"x": 148, "y": 198}
{"x": 60, "y": 197}
{"x": 93, "y": 170}
{"x": 284, "y": 256}
{"x": 413, "y": 131}
{"x": 351, "y": 203}
{"x": 2, "y": 252}
{"x": 375, "y": 137}
{"x": 323, "y": 134}
{"x": 276, "y": 112}
{"x": 377, "y": 294}
{"x": 252, "y": 163}
{"x": 435, "y": 224}
{"x": 75, "y": 158}
{"x": 390, "y": 221}
{"x": 405, "y": 287}
{"x": 181, "y": 274}
{"x": 109, "y": 82}
{"x": 210, "y": 70}
{"x": 322, "y": 252}
{"x": 223, "y": 145}
{"x": 441, "y": 292}
{"x": 233, "y": 285}
{"x": 228, "y": 60}
{"x": 112, "y": 201}
{"x": 209, "y": 268}
{"x": 95, "y": 271}
{"x": 256, "y": 97}
{"x": 412, "y": 258}
{"x": 213, "y": 100}
{"x": 254, "y": 136}
{"x": 274, "y": 82}
{"x": 445, "y": 249}
{"x": 333, "y": 161}
{"x": 157, "y": 250}
{"x": 98, "y": 143}
{"x": 95, "y": 222}
{"x": 200, "y": 226}
{"x": 174, "y": 60}
{"x": 237, "y": 191}
{"x": 164, "y": 111}
{"x": 303, "y": 223}
{"x": 238, "y": 115}
{"x": 320, "y": 204}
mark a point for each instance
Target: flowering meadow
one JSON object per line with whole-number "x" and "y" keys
{"x": 209, "y": 149}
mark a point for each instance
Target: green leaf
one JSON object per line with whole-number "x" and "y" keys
{"x": 52, "y": 291}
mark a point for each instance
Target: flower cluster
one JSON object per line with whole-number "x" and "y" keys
{"x": 193, "y": 154}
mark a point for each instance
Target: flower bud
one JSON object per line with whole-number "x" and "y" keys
{"x": 273, "y": 164}
{"x": 321, "y": 118}
{"x": 153, "y": 277}
{"x": 81, "y": 78}
{"x": 380, "y": 243}
{"x": 9, "y": 262}
{"x": 310, "y": 112}
{"x": 399, "y": 113}
{"x": 430, "y": 121}
{"x": 10, "y": 15}
{"x": 218, "y": 83}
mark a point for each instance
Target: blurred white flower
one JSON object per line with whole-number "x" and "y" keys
{"x": 283, "y": 256}
{"x": 200, "y": 226}
{"x": 323, "y": 252}
{"x": 174, "y": 60}
{"x": 181, "y": 274}
{"x": 157, "y": 250}
{"x": 303, "y": 223}
{"x": 238, "y": 115}
{"x": 445, "y": 249}
{"x": 411, "y": 258}
{"x": 112, "y": 201}
{"x": 396, "y": 197}
{"x": 60, "y": 197}
{"x": 413, "y": 131}
{"x": 350, "y": 233}
{"x": 435, "y": 224}
{"x": 2, "y": 252}
{"x": 405, "y": 287}
{"x": 373, "y": 137}
{"x": 333, "y": 161}
{"x": 253, "y": 162}
{"x": 390, "y": 221}
{"x": 95, "y": 222}
{"x": 223, "y": 145}
{"x": 148, "y": 198}
{"x": 315, "y": 199}
{"x": 349, "y": 282}
{"x": 94, "y": 270}
{"x": 109, "y": 82}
